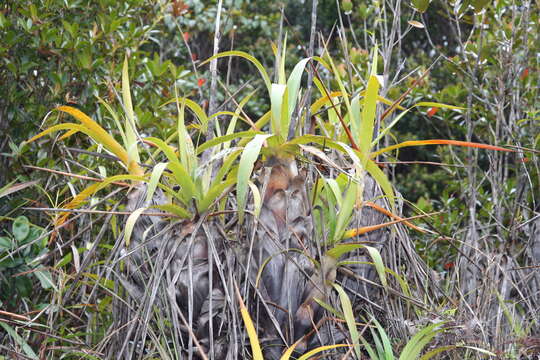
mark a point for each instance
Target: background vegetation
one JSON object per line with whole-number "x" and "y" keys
{"x": 475, "y": 268}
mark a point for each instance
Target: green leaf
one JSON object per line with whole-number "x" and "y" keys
{"x": 5, "y": 243}
{"x": 232, "y": 123}
{"x": 378, "y": 262}
{"x": 479, "y": 5}
{"x": 354, "y": 118}
{"x": 116, "y": 120}
{"x": 223, "y": 139}
{"x": 341, "y": 249}
{"x": 345, "y": 212}
{"x": 293, "y": 85}
{"x": 333, "y": 185}
{"x": 389, "y": 127}
{"x": 247, "y": 160}
{"x": 420, "y": 5}
{"x": 181, "y": 175}
{"x": 215, "y": 192}
{"x": 225, "y": 169}
{"x": 383, "y": 342}
{"x": 248, "y": 57}
{"x": 276, "y": 100}
{"x": 195, "y": 108}
{"x": 45, "y": 278}
{"x": 382, "y": 180}
{"x": 349, "y": 318}
{"x": 20, "y": 228}
{"x": 174, "y": 209}
{"x": 417, "y": 343}
{"x": 130, "y": 127}
{"x": 368, "y": 118}
{"x": 154, "y": 179}
{"x": 20, "y": 341}
{"x": 438, "y": 105}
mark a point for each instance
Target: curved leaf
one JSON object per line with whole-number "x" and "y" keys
{"x": 248, "y": 57}
{"x": 293, "y": 84}
{"x": 439, "y": 142}
{"x": 130, "y": 223}
{"x": 130, "y": 128}
{"x": 223, "y": 139}
{"x": 181, "y": 175}
{"x": 346, "y": 307}
{"x": 194, "y": 107}
{"x": 174, "y": 209}
{"x": 120, "y": 152}
{"x": 321, "y": 349}
{"x": 154, "y": 179}
{"x": 247, "y": 160}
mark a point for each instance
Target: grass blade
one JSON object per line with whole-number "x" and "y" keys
{"x": 10, "y": 188}
{"x": 195, "y": 108}
{"x": 417, "y": 343}
{"x": 250, "y": 328}
{"x": 349, "y": 318}
{"x": 321, "y": 349}
{"x": 438, "y": 105}
{"x": 341, "y": 249}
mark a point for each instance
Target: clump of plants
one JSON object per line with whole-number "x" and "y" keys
{"x": 257, "y": 217}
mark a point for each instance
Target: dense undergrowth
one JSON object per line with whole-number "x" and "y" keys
{"x": 268, "y": 221}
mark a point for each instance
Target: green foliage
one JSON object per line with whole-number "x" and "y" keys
{"x": 133, "y": 55}
{"x": 20, "y": 250}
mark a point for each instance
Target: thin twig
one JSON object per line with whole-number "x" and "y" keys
{"x": 83, "y": 211}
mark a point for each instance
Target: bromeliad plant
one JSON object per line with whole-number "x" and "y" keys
{"x": 180, "y": 187}
{"x": 355, "y": 139}
{"x": 195, "y": 192}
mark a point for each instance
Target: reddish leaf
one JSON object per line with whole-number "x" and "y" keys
{"x": 179, "y": 8}
{"x": 524, "y": 74}
{"x": 194, "y": 57}
{"x": 439, "y": 142}
{"x": 448, "y": 265}
{"x": 186, "y": 36}
{"x": 432, "y": 111}
{"x": 201, "y": 82}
